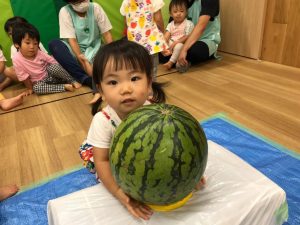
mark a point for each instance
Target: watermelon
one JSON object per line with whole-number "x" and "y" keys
{"x": 158, "y": 154}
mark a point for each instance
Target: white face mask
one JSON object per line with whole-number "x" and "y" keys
{"x": 81, "y": 7}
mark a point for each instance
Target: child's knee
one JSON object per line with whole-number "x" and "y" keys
{"x": 54, "y": 45}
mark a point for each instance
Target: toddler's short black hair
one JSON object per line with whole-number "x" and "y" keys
{"x": 11, "y": 22}
{"x": 21, "y": 29}
{"x": 174, "y": 3}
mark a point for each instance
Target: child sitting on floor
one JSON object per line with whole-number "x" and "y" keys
{"x": 177, "y": 30}
{"x": 9, "y": 72}
{"x": 7, "y": 104}
{"x": 40, "y": 72}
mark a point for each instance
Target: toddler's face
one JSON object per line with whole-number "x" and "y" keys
{"x": 124, "y": 90}
{"x": 178, "y": 13}
{"x": 29, "y": 47}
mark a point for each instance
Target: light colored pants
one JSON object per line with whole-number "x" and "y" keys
{"x": 175, "y": 54}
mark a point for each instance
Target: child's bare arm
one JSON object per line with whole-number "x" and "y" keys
{"x": 87, "y": 67}
{"x": 159, "y": 21}
{"x": 2, "y": 66}
{"x": 103, "y": 169}
{"x": 167, "y": 36}
{"x": 28, "y": 85}
{"x": 107, "y": 37}
{"x": 104, "y": 172}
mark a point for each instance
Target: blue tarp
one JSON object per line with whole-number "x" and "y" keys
{"x": 276, "y": 162}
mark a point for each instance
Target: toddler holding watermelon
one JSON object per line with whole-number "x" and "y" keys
{"x": 123, "y": 72}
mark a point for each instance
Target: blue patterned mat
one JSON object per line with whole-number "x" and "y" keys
{"x": 279, "y": 164}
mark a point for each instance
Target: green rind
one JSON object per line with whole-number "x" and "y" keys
{"x": 149, "y": 140}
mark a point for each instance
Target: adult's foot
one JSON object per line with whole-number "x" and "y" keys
{"x": 76, "y": 85}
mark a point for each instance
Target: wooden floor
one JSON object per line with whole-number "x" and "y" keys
{"x": 40, "y": 138}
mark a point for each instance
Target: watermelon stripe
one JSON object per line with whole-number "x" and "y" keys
{"x": 150, "y": 162}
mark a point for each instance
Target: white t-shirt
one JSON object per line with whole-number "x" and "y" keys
{"x": 13, "y": 50}
{"x": 103, "y": 127}
{"x": 66, "y": 27}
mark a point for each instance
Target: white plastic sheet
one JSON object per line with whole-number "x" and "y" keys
{"x": 235, "y": 193}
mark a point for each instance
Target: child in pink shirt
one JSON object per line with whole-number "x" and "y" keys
{"x": 40, "y": 72}
{"x": 177, "y": 30}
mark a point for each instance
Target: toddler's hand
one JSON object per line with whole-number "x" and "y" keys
{"x": 182, "y": 58}
{"x": 166, "y": 52}
{"x": 137, "y": 209}
{"x": 201, "y": 183}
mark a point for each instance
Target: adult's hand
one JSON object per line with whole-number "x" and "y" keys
{"x": 182, "y": 58}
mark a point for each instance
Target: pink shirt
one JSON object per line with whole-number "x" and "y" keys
{"x": 35, "y": 69}
{"x": 185, "y": 28}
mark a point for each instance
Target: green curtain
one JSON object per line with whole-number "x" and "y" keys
{"x": 58, "y": 4}
{"x": 41, "y": 14}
